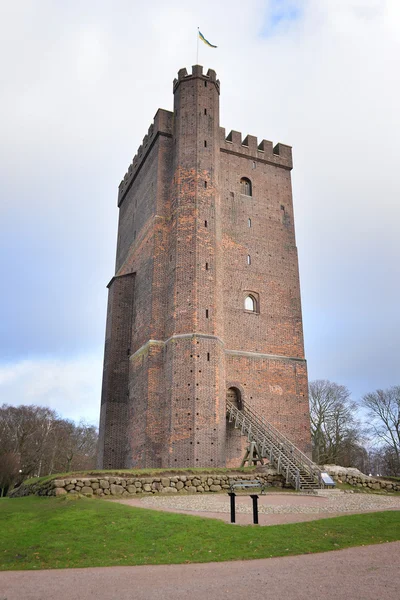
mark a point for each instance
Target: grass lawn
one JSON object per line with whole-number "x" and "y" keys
{"x": 49, "y": 533}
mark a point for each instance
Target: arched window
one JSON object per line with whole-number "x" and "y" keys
{"x": 245, "y": 186}
{"x": 234, "y": 397}
{"x": 250, "y": 303}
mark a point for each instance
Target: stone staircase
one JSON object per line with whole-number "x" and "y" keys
{"x": 298, "y": 470}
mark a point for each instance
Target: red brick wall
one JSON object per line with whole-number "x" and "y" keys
{"x": 184, "y": 232}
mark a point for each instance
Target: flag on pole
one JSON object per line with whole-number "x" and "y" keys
{"x": 201, "y": 36}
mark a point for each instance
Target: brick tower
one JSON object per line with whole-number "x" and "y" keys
{"x": 205, "y": 301}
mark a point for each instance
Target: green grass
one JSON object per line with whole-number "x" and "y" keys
{"x": 47, "y": 533}
{"x": 141, "y": 473}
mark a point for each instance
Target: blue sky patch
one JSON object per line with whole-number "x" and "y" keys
{"x": 278, "y": 13}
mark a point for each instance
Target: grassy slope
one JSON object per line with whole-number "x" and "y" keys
{"x": 45, "y": 533}
{"x": 141, "y": 473}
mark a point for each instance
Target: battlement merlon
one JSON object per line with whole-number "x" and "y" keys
{"x": 197, "y": 72}
{"x": 280, "y": 154}
{"x": 162, "y": 125}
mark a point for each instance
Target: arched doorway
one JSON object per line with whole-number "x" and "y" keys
{"x": 234, "y": 396}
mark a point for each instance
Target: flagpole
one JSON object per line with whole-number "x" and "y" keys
{"x": 197, "y": 54}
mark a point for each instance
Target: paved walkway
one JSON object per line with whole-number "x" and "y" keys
{"x": 365, "y": 573}
{"x": 274, "y": 508}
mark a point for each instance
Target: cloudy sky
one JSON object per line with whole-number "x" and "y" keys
{"x": 79, "y": 85}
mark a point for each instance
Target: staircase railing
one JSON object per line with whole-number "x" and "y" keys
{"x": 289, "y": 461}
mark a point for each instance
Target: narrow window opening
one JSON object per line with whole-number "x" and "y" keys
{"x": 249, "y": 222}
{"x": 134, "y": 235}
{"x": 206, "y": 266}
{"x": 205, "y": 223}
{"x": 206, "y": 313}
{"x": 248, "y": 259}
{"x": 282, "y": 208}
{"x": 205, "y": 184}
{"x": 245, "y": 187}
{"x": 205, "y": 111}
{"x": 205, "y": 143}
{"x": 208, "y": 356}
{"x": 254, "y": 164}
{"x": 205, "y": 84}
{"x": 250, "y": 303}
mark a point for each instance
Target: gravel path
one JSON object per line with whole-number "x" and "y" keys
{"x": 274, "y": 508}
{"x": 277, "y": 503}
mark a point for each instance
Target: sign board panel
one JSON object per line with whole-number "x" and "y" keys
{"x": 327, "y": 479}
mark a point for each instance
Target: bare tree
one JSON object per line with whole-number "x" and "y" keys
{"x": 41, "y": 443}
{"x": 9, "y": 470}
{"x": 335, "y": 430}
{"x": 76, "y": 446}
{"x": 25, "y": 431}
{"x": 383, "y": 408}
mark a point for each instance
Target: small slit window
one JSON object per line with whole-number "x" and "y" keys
{"x": 248, "y": 259}
{"x": 245, "y": 187}
{"x": 249, "y": 222}
{"x": 250, "y": 303}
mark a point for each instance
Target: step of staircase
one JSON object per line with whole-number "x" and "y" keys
{"x": 290, "y": 462}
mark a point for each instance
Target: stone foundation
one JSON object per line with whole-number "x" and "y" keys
{"x": 357, "y": 479}
{"x": 105, "y": 486}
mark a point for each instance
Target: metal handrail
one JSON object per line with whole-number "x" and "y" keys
{"x": 288, "y": 459}
{"x": 283, "y": 439}
{"x": 278, "y": 458}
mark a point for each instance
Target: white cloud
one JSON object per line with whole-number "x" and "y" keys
{"x": 77, "y": 100}
{"x": 71, "y": 387}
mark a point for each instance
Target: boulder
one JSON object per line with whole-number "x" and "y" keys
{"x": 215, "y": 488}
{"x": 116, "y": 490}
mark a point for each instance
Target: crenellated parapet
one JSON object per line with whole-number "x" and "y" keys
{"x": 197, "y": 71}
{"x": 162, "y": 125}
{"x": 280, "y": 154}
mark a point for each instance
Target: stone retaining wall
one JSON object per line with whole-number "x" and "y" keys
{"x": 118, "y": 486}
{"x": 357, "y": 479}
{"x": 106, "y": 485}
